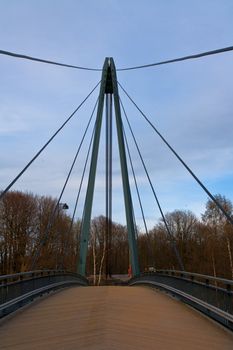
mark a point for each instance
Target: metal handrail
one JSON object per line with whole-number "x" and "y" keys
{"x": 5, "y": 279}
{"x": 193, "y": 275}
{"x": 26, "y": 273}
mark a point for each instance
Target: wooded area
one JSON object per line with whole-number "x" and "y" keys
{"x": 205, "y": 244}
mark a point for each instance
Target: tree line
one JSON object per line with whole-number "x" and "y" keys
{"x": 205, "y": 244}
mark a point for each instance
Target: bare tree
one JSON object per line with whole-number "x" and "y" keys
{"x": 219, "y": 229}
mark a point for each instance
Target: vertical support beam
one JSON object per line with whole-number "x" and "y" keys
{"x": 85, "y": 229}
{"x": 108, "y": 228}
{"x": 125, "y": 177}
{"x": 109, "y": 93}
{"x": 110, "y": 190}
{"x": 107, "y": 169}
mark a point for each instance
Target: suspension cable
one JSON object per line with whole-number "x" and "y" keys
{"x": 45, "y": 145}
{"x": 52, "y": 217}
{"x": 78, "y": 194}
{"x": 180, "y": 159}
{"x": 135, "y": 181}
{"x": 194, "y": 56}
{"x": 202, "y": 54}
{"x": 139, "y": 198}
{"x": 41, "y": 60}
{"x": 154, "y": 193}
{"x": 135, "y": 223}
{"x": 81, "y": 182}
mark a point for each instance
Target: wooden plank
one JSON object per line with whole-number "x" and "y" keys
{"x": 112, "y": 318}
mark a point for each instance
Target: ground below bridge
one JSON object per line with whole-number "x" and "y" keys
{"x": 111, "y": 317}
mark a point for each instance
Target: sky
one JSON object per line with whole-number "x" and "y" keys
{"x": 189, "y": 102}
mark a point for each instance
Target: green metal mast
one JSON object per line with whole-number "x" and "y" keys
{"x": 108, "y": 86}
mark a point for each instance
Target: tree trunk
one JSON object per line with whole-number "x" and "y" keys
{"x": 214, "y": 266}
{"x": 230, "y": 255}
{"x": 102, "y": 261}
{"x": 94, "y": 260}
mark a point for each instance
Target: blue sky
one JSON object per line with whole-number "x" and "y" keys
{"x": 190, "y": 102}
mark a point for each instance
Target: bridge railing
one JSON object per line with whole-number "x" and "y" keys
{"x": 211, "y": 295}
{"x": 19, "y": 289}
{"x": 207, "y": 280}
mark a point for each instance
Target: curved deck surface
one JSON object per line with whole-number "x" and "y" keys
{"x": 111, "y": 318}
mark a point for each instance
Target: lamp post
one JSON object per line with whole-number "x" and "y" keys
{"x": 61, "y": 206}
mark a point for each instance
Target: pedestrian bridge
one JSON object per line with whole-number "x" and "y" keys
{"x": 134, "y": 316}
{"x": 163, "y": 310}
{"x": 112, "y": 317}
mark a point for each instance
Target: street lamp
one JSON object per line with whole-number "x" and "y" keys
{"x": 61, "y": 206}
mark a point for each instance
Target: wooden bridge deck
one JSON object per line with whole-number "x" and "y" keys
{"x": 111, "y": 318}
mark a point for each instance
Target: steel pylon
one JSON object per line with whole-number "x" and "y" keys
{"x": 108, "y": 87}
